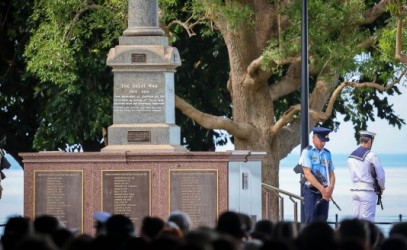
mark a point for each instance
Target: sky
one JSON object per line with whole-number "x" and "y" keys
{"x": 388, "y": 139}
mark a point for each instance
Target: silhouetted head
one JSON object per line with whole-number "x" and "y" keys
{"x": 151, "y": 227}
{"x": 181, "y": 219}
{"x": 119, "y": 226}
{"x": 15, "y": 229}
{"x": 229, "y": 223}
{"x": 395, "y": 242}
{"x": 354, "y": 229}
{"x": 46, "y": 224}
{"x": 399, "y": 229}
{"x": 317, "y": 236}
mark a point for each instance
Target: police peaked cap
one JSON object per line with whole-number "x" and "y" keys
{"x": 322, "y": 133}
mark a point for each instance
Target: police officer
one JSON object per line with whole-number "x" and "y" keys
{"x": 318, "y": 169}
{"x": 367, "y": 176}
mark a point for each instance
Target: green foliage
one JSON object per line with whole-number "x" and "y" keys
{"x": 67, "y": 52}
{"x": 202, "y": 77}
{"x": 18, "y": 120}
{"x": 59, "y": 91}
{"x": 331, "y": 37}
{"x": 237, "y": 15}
{"x": 334, "y": 46}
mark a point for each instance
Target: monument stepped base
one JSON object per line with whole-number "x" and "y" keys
{"x": 144, "y": 148}
{"x": 72, "y": 186}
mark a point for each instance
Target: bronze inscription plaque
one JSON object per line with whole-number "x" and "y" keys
{"x": 138, "y": 136}
{"x": 135, "y": 58}
{"x": 196, "y": 193}
{"x": 60, "y": 193}
{"x": 127, "y": 192}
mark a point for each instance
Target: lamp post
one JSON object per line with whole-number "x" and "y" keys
{"x": 304, "y": 85}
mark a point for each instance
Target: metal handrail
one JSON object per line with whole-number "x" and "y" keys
{"x": 295, "y": 198}
{"x": 336, "y": 223}
{"x": 291, "y": 196}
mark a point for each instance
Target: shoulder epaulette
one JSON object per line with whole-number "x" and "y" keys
{"x": 309, "y": 147}
{"x": 327, "y": 150}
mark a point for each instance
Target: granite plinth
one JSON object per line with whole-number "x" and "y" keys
{"x": 147, "y": 135}
{"x": 137, "y": 184}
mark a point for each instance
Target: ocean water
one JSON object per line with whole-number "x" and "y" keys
{"x": 394, "y": 197}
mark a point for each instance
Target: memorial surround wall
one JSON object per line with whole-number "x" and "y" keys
{"x": 73, "y": 186}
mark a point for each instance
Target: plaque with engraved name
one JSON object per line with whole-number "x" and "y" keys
{"x": 136, "y": 58}
{"x": 60, "y": 193}
{"x": 140, "y": 99}
{"x": 127, "y": 192}
{"x": 138, "y": 136}
{"x": 196, "y": 193}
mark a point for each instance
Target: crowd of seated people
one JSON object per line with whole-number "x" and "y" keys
{"x": 233, "y": 231}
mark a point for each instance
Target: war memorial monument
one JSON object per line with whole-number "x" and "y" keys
{"x": 143, "y": 171}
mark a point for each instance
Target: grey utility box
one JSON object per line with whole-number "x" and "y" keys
{"x": 244, "y": 175}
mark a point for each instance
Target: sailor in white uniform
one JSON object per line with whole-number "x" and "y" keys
{"x": 368, "y": 178}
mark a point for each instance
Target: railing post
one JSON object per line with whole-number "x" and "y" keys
{"x": 281, "y": 208}
{"x": 336, "y": 221}
{"x": 295, "y": 209}
{"x": 268, "y": 204}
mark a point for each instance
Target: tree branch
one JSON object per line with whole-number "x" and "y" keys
{"x": 189, "y": 27}
{"x": 290, "y": 82}
{"x": 377, "y": 10}
{"x": 71, "y": 24}
{"x": 255, "y": 74}
{"x": 323, "y": 116}
{"x": 399, "y": 56}
{"x": 243, "y": 131}
{"x": 287, "y": 117}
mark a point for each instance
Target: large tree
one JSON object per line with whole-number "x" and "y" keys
{"x": 352, "y": 47}
{"x": 353, "y": 52}
{"x": 18, "y": 108}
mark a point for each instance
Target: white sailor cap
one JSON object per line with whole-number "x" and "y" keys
{"x": 367, "y": 134}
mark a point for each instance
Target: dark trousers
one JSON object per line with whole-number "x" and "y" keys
{"x": 312, "y": 211}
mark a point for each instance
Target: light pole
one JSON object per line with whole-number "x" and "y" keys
{"x": 304, "y": 85}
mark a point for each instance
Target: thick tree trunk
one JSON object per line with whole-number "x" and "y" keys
{"x": 252, "y": 105}
{"x": 255, "y": 126}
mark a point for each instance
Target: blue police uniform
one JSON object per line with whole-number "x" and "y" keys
{"x": 320, "y": 163}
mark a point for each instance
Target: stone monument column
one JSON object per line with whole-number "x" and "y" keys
{"x": 143, "y": 100}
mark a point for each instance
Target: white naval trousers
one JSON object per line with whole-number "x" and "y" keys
{"x": 364, "y": 204}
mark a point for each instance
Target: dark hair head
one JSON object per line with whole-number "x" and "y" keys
{"x": 46, "y": 224}
{"x": 151, "y": 227}
{"x": 230, "y": 223}
{"x": 263, "y": 230}
{"x": 15, "y": 229}
{"x": 317, "y": 235}
{"x": 395, "y": 242}
{"x": 119, "y": 226}
{"x": 399, "y": 228}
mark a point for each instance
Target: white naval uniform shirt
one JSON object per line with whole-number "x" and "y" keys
{"x": 360, "y": 172}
